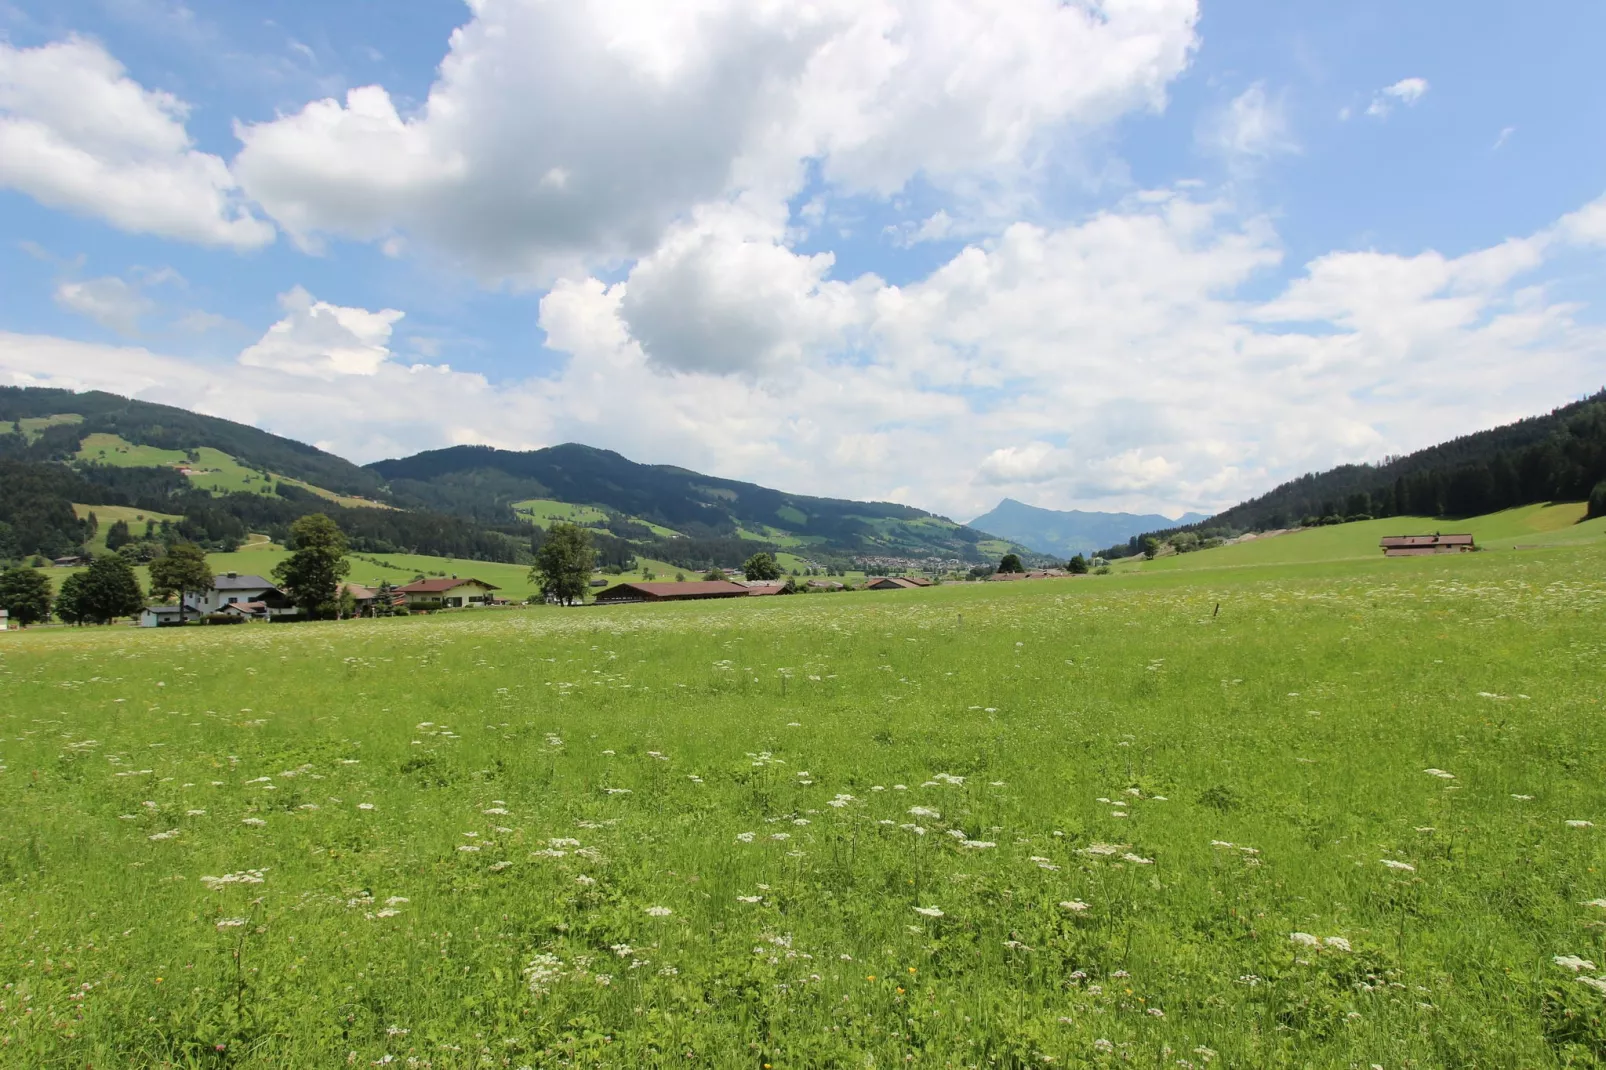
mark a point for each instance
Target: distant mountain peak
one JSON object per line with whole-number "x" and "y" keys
{"x": 1064, "y": 533}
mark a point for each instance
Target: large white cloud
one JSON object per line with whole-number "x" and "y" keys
{"x": 1110, "y": 363}
{"x": 77, "y": 133}
{"x": 322, "y": 340}
{"x": 565, "y": 132}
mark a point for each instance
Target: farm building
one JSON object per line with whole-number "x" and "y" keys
{"x": 1422, "y": 545}
{"x": 159, "y": 617}
{"x": 1035, "y": 574}
{"x": 895, "y": 583}
{"x": 673, "y": 592}
{"x": 448, "y": 592}
{"x": 824, "y": 585}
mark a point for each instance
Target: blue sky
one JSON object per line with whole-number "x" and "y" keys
{"x": 1142, "y": 254}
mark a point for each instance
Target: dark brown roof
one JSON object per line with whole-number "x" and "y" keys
{"x": 1400, "y": 542}
{"x": 443, "y": 585}
{"x": 888, "y": 583}
{"x": 664, "y": 592}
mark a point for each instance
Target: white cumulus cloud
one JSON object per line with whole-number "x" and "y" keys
{"x": 77, "y": 133}
{"x": 322, "y": 340}
{"x": 567, "y": 134}
{"x": 1406, "y": 91}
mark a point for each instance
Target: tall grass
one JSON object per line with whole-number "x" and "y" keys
{"x": 1068, "y": 822}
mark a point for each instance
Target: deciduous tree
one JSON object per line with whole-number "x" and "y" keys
{"x": 1010, "y": 563}
{"x": 564, "y": 562}
{"x": 25, "y": 595}
{"x": 181, "y": 570}
{"x": 762, "y": 566}
{"x": 313, "y": 573}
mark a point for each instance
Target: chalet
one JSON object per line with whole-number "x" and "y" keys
{"x": 672, "y": 592}
{"x": 891, "y": 583}
{"x": 1424, "y": 545}
{"x": 68, "y": 562}
{"x": 246, "y": 610}
{"x": 447, "y": 593}
{"x": 233, "y": 587}
{"x": 1035, "y": 574}
{"x": 824, "y": 585}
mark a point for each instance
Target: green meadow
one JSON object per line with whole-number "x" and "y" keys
{"x": 1330, "y": 814}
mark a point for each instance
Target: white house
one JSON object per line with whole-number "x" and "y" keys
{"x": 232, "y": 587}
{"x": 447, "y": 593}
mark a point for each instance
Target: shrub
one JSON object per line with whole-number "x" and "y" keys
{"x": 1597, "y": 500}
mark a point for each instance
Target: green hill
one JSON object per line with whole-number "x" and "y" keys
{"x": 654, "y": 505}
{"x": 1527, "y": 527}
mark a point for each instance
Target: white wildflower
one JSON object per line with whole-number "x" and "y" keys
{"x": 230, "y": 923}
{"x": 388, "y": 912}
{"x": 195, "y": 813}
{"x": 542, "y": 972}
{"x": 1440, "y": 773}
{"x": 745, "y": 837}
{"x": 170, "y": 834}
{"x": 1138, "y": 860}
{"x": 749, "y": 898}
{"x": 1523, "y": 798}
{"x": 1338, "y": 943}
{"x": 978, "y": 845}
{"x": 469, "y": 847}
{"x": 1392, "y": 864}
{"x": 659, "y": 912}
{"x": 255, "y": 822}
{"x": 1573, "y": 962}
{"x": 1580, "y": 824}
{"x": 930, "y": 912}
{"x": 585, "y": 881}
{"x": 1075, "y": 906}
{"x": 1304, "y": 939}
{"x": 1597, "y": 983}
{"x": 365, "y": 806}
{"x": 924, "y": 811}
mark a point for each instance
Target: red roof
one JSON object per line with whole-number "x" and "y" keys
{"x": 443, "y": 585}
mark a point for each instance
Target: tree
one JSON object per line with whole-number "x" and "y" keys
{"x": 313, "y": 573}
{"x": 1077, "y": 565}
{"x": 179, "y": 571}
{"x": 762, "y": 567}
{"x": 713, "y": 574}
{"x": 1151, "y": 547}
{"x": 1597, "y": 500}
{"x": 25, "y": 595}
{"x": 108, "y": 589}
{"x": 1010, "y": 563}
{"x": 564, "y": 563}
{"x": 70, "y": 600}
{"x": 385, "y": 600}
{"x": 117, "y": 536}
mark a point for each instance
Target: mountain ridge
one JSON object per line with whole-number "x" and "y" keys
{"x": 1066, "y": 532}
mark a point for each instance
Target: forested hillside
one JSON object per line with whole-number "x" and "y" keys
{"x": 482, "y": 482}
{"x": 146, "y": 424}
{"x": 1560, "y": 456}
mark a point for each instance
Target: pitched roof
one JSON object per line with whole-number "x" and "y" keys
{"x": 693, "y": 589}
{"x": 360, "y": 592}
{"x": 236, "y": 582}
{"x": 1401, "y": 541}
{"x": 440, "y": 586}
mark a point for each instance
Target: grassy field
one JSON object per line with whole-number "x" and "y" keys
{"x": 107, "y": 515}
{"x": 1526, "y": 527}
{"x": 33, "y": 426}
{"x": 543, "y": 512}
{"x": 1349, "y": 819}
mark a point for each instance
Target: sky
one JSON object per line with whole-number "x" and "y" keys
{"x": 1140, "y": 255}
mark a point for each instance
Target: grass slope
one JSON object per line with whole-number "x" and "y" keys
{"x": 1073, "y": 823}
{"x": 211, "y": 470}
{"x": 107, "y": 515}
{"x": 1531, "y": 525}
